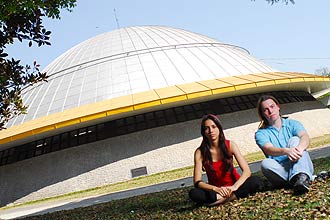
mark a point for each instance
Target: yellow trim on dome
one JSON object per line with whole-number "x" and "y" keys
{"x": 44, "y": 129}
{"x": 297, "y": 80}
{"x": 168, "y": 92}
{"x": 22, "y": 135}
{"x": 147, "y": 105}
{"x": 93, "y": 116}
{"x": 282, "y": 81}
{"x": 246, "y": 86}
{"x": 195, "y": 90}
{"x": 173, "y": 99}
{"x": 235, "y": 80}
{"x": 265, "y": 83}
{"x": 120, "y": 110}
{"x": 199, "y": 94}
{"x": 309, "y": 79}
{"x": 7, "y": 139}
{"x": 192, "y": 87}
{"x": 68, "y": 123}
{"x": 224, "y": 90}
{"x": 253, "y": 78}
{"x": 214, "y": 84}
{"x": 145, "y": 99}
{"x": 157, "y": 97}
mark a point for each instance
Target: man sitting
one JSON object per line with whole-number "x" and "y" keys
{"x": 284, "y": 142}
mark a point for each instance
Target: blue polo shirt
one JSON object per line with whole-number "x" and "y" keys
{"x": 279, "y": 138}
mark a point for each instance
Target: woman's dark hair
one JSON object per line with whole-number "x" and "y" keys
{"x": 263, "y": 120}
{"x": 205, "y": 145}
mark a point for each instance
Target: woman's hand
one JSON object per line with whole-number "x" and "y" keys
{"x": 224, "y": 191}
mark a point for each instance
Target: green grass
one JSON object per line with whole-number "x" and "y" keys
{"x": 155, "y": 178}
{"x": 174, "y": 204}
{"x": 325, "y": 95}
{"x": 320, "y": 141}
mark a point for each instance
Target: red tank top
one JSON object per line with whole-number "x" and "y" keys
{"x": 217, "y": 177}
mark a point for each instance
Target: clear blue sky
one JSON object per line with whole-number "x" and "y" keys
{"x": 287, "y": 37}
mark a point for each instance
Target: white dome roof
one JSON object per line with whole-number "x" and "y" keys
{"x": 131, "y": 60}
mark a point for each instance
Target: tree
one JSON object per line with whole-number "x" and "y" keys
{"x": 276, "y": 1}
{"x": 22, "y": 20}
{"x": 325, "y": 71}
{"x": 285, "y": 1}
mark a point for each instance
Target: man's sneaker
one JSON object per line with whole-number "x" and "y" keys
{"x": 301, "y": 184}
{"x": 323, "y": 175}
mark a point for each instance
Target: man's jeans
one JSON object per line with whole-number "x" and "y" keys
{"x": 280, "y": 173}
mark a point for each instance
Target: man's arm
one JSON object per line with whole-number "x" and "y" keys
{"x": 304, "y": 141}
{"x": 270, "y": 149}
{"x": 293, "y": 153}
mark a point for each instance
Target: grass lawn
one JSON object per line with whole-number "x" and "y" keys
{"x": 174, "y": 204}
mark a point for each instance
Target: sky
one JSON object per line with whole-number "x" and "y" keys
{"x": 288, "y": 37}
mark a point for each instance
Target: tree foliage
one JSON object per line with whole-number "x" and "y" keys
{"x": 325, "y": 71}
{"x": 285, "y": 1}
{"x": 22, "y": 20}
{"x": 276, "y": 1}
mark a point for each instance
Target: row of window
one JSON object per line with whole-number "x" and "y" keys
{"x": 142, "y": 122}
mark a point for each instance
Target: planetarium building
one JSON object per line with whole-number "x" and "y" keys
{"x": 128, "y": 103}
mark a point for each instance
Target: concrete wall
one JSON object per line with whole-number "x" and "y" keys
{"x": 159, "y": 149}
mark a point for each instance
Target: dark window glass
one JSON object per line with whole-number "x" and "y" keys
{"x": 130, "y": 120}
{"x": 170, "y": 116}
{"x": 151, "y": 123}
{"x": 249, "y": 105}
{"x": 56, "y": 143}
{"x": 178, "y": 111}
{"x": 47, "y": 145}
{"x": 197, "y": 107}
{"x": 226, "y": 109}
{"x": 73, "y": 138}
{"x": 121, "y": 131}
{"x": 181, "y": 118}
{"x": 161, "y": 122}
{"x": 231, "y": 101}
{"x": 65, "y": 140}
{"x": 159, "y": 114}
{"x": 190, "y": 116}
{"x": 245, "y": 98}
{"x": 141, "y": 126}
{"x": 120, "y": 122}
{"x": 188, "y": 108}
{"x": 242, "y": 106}
{"x": 101, "y": 131}
{"x": 150, "y": 116}
{"x": 234, "y": 108}
{"x": 92, "y": 134}
{"x": 130, "y": 128}
{"x": 82, "y": 135}
{"x": 39, "y": 148}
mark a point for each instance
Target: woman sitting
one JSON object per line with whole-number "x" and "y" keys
{"x": 215, "y": 156}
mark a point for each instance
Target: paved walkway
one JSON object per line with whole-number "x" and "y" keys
{"x": 52, "y": 206}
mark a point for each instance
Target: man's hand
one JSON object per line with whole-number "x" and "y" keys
{"x": 294, "y": 154}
